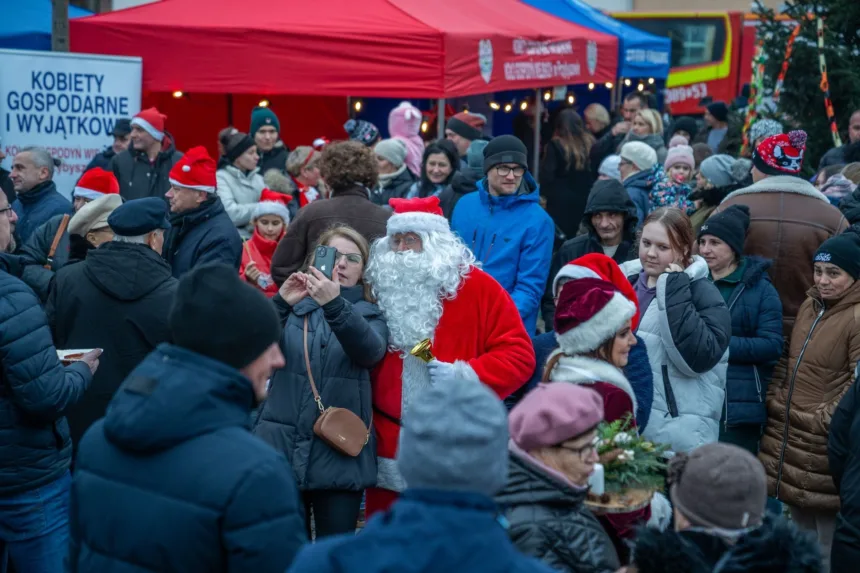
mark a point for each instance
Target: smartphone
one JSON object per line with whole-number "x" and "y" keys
{"x": 324, "y": 260}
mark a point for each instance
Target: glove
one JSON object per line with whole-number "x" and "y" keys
{"x": 439, "y": 370}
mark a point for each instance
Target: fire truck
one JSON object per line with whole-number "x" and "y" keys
{"x": 711, "y": 57}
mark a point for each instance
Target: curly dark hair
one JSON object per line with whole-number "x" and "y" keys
{"x": 345, "y": 164}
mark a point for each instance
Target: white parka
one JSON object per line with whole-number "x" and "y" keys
{"x": 240, "y": 192}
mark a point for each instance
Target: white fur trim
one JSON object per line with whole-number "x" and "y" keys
{"x": 271, "y": 208}
{"x": 599, "y": 328}
{"x": 388, "y": 475}
{"x": 573, "y": 272}
{"x": 87, "y": 193}
{"x": 207, "y": 188}
{"x": 414, "y": 222}
{"x": 585, "y": 370}
{"x": 697, "y": 270}
{"x": 781, "y": 184}
{"x": 463, "y": 371}
{"x": 148, "y": 128}
{"x": 661, "y": 512}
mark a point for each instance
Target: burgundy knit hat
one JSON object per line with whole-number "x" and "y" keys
{"x": 468, "y": 125}
{"x": 781, "y": 154}
{"x": 589, "y": 312}
{"x": 554, "y": 413}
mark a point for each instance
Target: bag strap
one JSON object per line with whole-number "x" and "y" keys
{"x": 55, "y": 243}
{"x": 317, "y": 398}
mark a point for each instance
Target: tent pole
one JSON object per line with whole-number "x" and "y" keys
{"x": 440, "y": 118}
{"x": 536, "y": 143}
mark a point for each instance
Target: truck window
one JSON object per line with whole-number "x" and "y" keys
{"x": 695, "y": 41}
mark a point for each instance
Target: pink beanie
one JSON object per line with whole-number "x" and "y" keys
{"x": 554, "y": 413}
{"x": 682, "y": 154}
{"x": 678, "y": 140}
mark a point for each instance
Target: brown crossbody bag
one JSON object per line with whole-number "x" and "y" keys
{"x": 340, "y": 428}
{"x": 56, "y": 242}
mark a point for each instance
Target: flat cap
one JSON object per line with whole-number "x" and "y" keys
{"x": 139, "y": 217}
{"x": 94, "y": 215}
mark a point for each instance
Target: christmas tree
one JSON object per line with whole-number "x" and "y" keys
{"x": 801, "y": 103}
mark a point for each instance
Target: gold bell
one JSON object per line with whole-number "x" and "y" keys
{"x": 423, "y": 350}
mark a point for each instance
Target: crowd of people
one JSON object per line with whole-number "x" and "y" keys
{"x": 213, "y": 363}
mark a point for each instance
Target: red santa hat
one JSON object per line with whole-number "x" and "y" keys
{"x": 589, "y": 312}
{"x": 599, "y": 266}
{"x": 195, "y": 170}
{"x": 151, "y": 121}
{"x": 417, "y": 215}
{"x": 96, "y": 183}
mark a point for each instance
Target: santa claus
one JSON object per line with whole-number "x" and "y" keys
{"x": 427, "y": 285}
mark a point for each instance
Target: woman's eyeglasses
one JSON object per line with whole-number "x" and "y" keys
{"x": 351, "y": 258}
{"x": 582, "y": 452}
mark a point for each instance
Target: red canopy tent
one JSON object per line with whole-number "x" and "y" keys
{"x": 373, "y": 48}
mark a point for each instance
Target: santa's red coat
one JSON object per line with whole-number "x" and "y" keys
{"x": 480, "y": 326}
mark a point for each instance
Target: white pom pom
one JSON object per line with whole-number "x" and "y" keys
{"x": 186, "y": 168}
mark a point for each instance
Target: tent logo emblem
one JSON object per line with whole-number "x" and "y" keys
{"x": 591, "y": 55}
{"x": 485, "y": 59}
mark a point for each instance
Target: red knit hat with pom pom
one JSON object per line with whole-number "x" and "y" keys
{"x": 781, "y": 154}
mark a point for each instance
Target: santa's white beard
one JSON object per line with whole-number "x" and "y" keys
{"x": 410, "y": 287}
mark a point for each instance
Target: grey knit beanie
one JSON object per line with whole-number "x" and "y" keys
{"x": 718, "y": 170}
{"x": 455, "y": 438}
{"x": 764, "y": 128}
{"x": 719, "y": 486}
{"x": 393, "y": 150}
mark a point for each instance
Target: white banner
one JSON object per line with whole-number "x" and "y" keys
{"x": 67, "y": 103}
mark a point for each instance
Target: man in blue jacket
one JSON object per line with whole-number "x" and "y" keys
{"x": 38, "y": 200}
{"x": 506, "y": 228}
{"x": 36, "y": 449}
{"x": 171, "y": 479}
{"x": 454, "y": 457}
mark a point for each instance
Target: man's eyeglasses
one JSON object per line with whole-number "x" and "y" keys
{"x": 505, "y": 170}
{"x": 351, "y": 258}
{"x": 407, "y": 241}
{"x": 7, "y": 211}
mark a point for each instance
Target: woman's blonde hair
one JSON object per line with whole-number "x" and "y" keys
{"x": 353, "y": 236}
{"x": 302, "y": 157}
{"x": 652, "y": 118}
{"x": 852, "y": 172}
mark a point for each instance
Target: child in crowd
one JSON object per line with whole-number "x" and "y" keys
{"x": 672, "y": 184}
{"x": 270, "y": 220}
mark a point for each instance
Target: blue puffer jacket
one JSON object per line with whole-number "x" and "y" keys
{"x": 512, "y": 237}
{"x": 37, "y": 206}
{"x": 203, "y": 235}
{"x": 426, "y": 531}
{"x": 755, "y": 347}
{"x": 35, "y": 390}
{"x": 172, "y": 479}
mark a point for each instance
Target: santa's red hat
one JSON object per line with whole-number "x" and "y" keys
{"x": 276, "y": 196}
{"x": 195, "y": 170}
{"x": 589, "y": 312}
{"x": 417, "y": 215}
{"x": 599, "y": 266}
{"x": 151, "y": 121}
{"x": 96, "y": 183}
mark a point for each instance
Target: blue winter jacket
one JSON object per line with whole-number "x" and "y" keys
{"x": 425, "y": 531}
{"x": 37, "y": 206}
{"x": 638, "y": 373}
{"x": 755, "y": 347}
{"x": 35, "y": 391}
{"x": 512, "y": 237}
{"x": 171, "y": 479}
{"x": 203, "y": 235}
{"x": 639, "y": 186}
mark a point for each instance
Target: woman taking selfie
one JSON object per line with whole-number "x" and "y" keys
{"x": 822, "y": 356}
{"x": 346, "y": 337}
{"x": 686, "y": 326}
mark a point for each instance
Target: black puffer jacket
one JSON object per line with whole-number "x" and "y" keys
{"x": 138, "y": 177}
{"x": 549, "y": 521}
{"x": 275, "y": 158}
{"x": 203, "y": 235}
{"x": 775, "y": 547}
{"x": 465, "y": 181}
{"x": 396, "y": 187}
{"x": 565, "y": 188}
{"x": 117, "y": 299}
{"x": 613, "y": 199}
{"x": 35, "y": 391}
{"x": 843, "y": 453}
{"x": 346, "y": 339}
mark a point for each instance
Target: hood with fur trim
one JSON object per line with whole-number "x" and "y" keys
{"x": 584, "y": 370}
{"x": 781, "y": 184}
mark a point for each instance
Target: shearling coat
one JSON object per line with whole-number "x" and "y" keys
{"x": 825, "y": 346}
{"x": 687, "y": 328}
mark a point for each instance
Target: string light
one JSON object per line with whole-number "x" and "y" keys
{"x": 178, "y": 94}
{"x": 609, "y": 85}
{"x": 641, "y": 87}
{"x": 627, "y": 82}
{"x": 263, "y": 103}
{"x": 651, "y": 81}
{"x": 524, "y": 105}
{"x": 547, "y": 96}
{"x": 508, "y": 107}
{"x": 357, "y": 106}
{"x": 591, "y": 86}
{"x": 571, "y": 99}
{"x": 424, "y": 127}
{"x": 495, "y": 106}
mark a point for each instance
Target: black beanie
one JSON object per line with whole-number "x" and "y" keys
{"x": 729, "y": 226}
{"x": 237, "y": 144}
{"x": 687, "y": 124}
{"x": 719, "y": 110}
{"x": 505, "y": 149}
{"x": 217, "y": 314}
{"x": 843, "y": 251}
